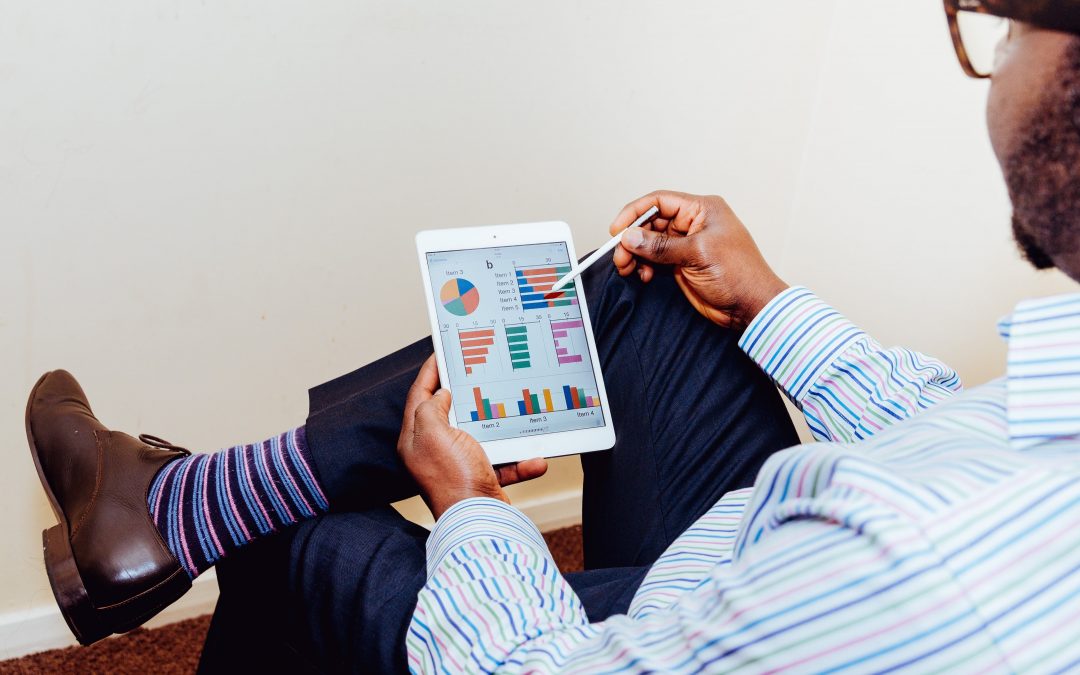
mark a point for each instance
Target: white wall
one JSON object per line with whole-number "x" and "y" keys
{"x": 208, "y": 208}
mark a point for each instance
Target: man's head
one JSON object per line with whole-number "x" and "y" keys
{"x": 1033, "y": 115}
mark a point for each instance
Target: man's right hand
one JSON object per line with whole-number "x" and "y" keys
{"x": 716, "y": 262}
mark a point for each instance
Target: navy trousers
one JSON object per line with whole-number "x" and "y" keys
{"x": 694, "y": 419}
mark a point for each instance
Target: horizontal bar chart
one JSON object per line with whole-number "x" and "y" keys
{"x": 475, "y": 347}
{"x": 534, "y": 287}
{"x": 517, "y": 341}
{"x": 560, "y": 331}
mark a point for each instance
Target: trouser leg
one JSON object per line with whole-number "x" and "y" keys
{"x": 695, "y": 418}
{"x": 337, "y": 594}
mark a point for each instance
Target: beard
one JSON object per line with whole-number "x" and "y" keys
{"x": 1043, "y": 173}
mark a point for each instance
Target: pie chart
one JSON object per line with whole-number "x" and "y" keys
{"x": 460, "y": 297}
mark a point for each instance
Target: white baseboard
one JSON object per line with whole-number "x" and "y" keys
{"x": 41, "y": 628}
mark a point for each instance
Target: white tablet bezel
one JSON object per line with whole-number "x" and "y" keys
{"x": 545, "y": 445}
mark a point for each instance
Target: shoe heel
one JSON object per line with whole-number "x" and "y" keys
{"x": 68, "y": 588}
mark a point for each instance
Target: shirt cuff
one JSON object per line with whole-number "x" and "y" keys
{"x": 796, "y": 337}
{"x": 479, "y": 518}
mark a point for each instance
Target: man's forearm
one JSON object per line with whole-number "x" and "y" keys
{"x": 847, "y": 385}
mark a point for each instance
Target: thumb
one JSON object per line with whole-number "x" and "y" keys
{"x": 441, "y": 401}
{"x": 658, "y": 247}
{"x": 435, "y": 410}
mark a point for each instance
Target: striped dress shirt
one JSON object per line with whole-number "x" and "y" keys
{"x": 929, "y": 529}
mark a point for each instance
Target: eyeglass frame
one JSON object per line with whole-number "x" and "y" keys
{"x": 952, "y": 11}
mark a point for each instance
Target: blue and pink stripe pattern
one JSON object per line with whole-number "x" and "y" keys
{"x": 206, "y": 505}
{"x": 930, "y": 530}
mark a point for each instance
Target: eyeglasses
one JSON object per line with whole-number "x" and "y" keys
{"x": 976, "y": 35}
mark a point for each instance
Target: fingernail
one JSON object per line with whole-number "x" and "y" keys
{"x": 633, "y": 237}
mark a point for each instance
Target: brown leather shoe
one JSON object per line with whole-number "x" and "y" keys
{"x": 109, "y": 568}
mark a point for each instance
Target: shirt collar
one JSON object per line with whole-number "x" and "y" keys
{"x": 1043, "y": 372}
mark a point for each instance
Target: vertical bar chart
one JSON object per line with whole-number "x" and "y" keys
{"x": 475, "y": 346}
{"x": 517, "y": 339}
{"x": 560, "y": 331}
{"x": 576, "y": 398}
{"x": 485, "y": 409}
{"x": 534, "y": 287}
{"x": 533, "y": 404}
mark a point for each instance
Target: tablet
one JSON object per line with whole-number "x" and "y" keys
{"x": 519, "y": 360}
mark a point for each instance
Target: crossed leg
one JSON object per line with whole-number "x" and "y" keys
{"x": 694, "y": 417}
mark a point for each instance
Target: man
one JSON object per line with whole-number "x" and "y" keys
{"x": 929, "y": 529}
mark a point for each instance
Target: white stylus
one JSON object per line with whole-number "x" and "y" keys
{"x": 602, "y": 251}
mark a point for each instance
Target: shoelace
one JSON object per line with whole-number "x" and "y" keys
{"x": 163, "y": 444}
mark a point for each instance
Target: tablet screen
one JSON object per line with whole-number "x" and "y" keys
{"x": 516, "y": 354}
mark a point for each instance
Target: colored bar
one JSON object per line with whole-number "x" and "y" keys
{"x": 487, "y": 409}
{"x": 541, "y": 270}
{"x": 590, "y": 401}
{"x": 469, "y": 334}
{"x": 518, "y": 348}
{"x": 558, "y": 333}
{"x": 479, "y": 398}
{"x": 576, "y": 358}
{"x": 528, "y": 401}
{"x": 475, "y": 360}
{"x": 547, "y": 401}
{"x": 569, "y": 398}
{"x": 534, "y": 305}
{"x": 562, "y": 351}
{"x": 562, "y": 303}
{"x": 475, "y": 417}
{"x": 521, "y": 407}
{"x": 532, "y": 297}
{"x": 565, "y": 325}
{"x": 536, "y": 403}
{"x": 474, "y": 352}
{"x": 474, "y": 342}
{"x": 517, "y": 330}
{"x": 501, "y": 410}
{"x": 574, "y": 396}
{"x": 581, "y": 396}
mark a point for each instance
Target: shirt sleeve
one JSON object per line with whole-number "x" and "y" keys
{"x": 806, "y": 595}
{"x": 846, "y": 384}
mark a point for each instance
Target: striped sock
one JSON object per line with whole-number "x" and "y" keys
{"x": 208, "y": 505}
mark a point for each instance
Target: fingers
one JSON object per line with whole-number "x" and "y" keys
{"x": 522, "y": 471}
{"x": 426, "y": 382}
{"x": 667, "y": 202}
{"x": 659, "y": 247}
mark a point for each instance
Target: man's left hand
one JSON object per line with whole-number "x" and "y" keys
{"x": 448, "y": 463}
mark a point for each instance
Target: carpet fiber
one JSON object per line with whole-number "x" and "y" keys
{"x": 175, "y": 648}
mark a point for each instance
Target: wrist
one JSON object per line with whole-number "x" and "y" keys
{"x": 763, "y": 294}
{"x": 443, "y": 501}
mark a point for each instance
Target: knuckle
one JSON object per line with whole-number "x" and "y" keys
{"x": 661, "y": 244}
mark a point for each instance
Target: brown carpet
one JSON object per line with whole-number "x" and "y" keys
{"x": 175, "y": 648}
